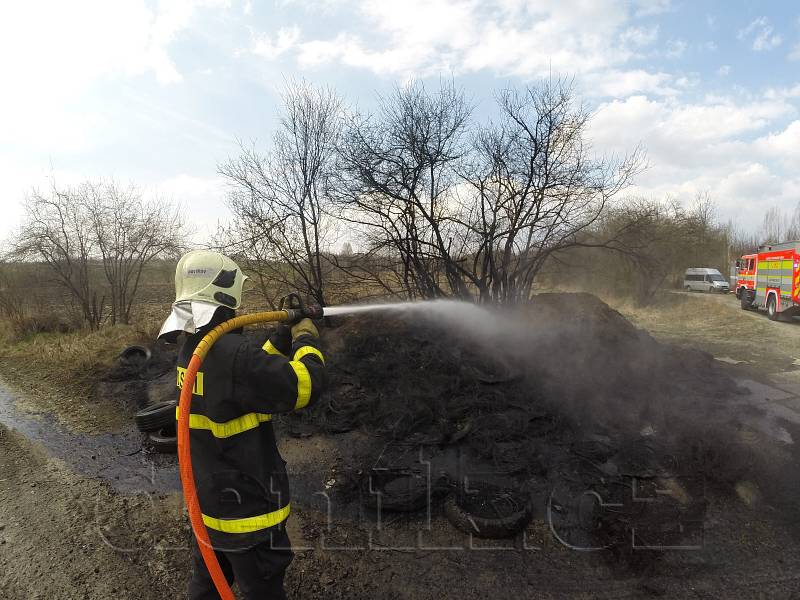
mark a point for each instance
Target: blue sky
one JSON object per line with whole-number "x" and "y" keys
{"x": 159, "y": 92}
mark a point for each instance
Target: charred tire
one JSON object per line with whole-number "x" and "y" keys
{"x": 500, "y": 527}
{"x": 157, "y": 416}
{"x": 772, "y": 309}
{"x": 135, "y": 355}
{"x": 165, "y": 440}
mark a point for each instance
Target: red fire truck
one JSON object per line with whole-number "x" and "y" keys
{"x": 770, "y": 279}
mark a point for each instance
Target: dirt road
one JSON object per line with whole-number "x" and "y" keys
{"x": 70, "y": 530}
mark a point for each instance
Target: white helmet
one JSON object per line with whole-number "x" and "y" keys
{"x": 209, "y": 277}
{"x": 204, "y": 281}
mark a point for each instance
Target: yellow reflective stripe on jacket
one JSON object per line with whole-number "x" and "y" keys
{"x": 303, "y": 383}
{"x": 228, "y": 428}
{"x": 248, "y": 524}
{"x": 269, "y": 348}
{"x": 305, "y": 351}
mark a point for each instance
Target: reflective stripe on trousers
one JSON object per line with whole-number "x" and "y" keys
{"x": 248, "y": 524}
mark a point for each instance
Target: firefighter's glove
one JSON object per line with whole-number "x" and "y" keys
{"x": 304, "y": 327}
{"x": 282, "y": 336}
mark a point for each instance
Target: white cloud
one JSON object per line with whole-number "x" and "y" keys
{"x": 718, "y": 144}
{"x": 639, "y": 36}
{"x": 676, "y": 48}
{"x": 285, "y": 39}
{"x": 783, "y": 146}
{"x": 762, "y": 34}
{"x": 795, "y": 53}
{"x": 73, "y": 43}
{"x": 508, "y": 37}
{"x": 724, "y": 70}
{"x": 646, "y": 8}
{"x": 619, "y": 84}
{"x": 52, "y": 53}
{"x": 679, "y": 133}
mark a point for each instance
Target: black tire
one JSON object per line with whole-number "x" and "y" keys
{"x": 157, "y": 416}
{"x": 135, "y": 355}
{"x": 165, "y": 440}
{"x": 131, "y": 362}
{"x": 745, "y": 301}
{"x": 507, "y": 524}
{"x": 772, "y": 309}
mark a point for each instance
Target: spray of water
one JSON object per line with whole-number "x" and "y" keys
{"x": 465, "y": 318}
{"x": 348, "y": 309}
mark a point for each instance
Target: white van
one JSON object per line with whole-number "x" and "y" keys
{"x": 701, "y": 279}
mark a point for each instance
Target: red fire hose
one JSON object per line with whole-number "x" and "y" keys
{"x": 184, "y": 454}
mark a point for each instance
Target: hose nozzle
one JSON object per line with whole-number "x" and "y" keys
{"x": 297, "y": 309}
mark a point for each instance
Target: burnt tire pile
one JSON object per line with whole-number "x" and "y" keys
{"x": 564, "y": 396}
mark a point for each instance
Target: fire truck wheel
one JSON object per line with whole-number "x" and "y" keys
{"x": 746, "y": 300}
{"x": 772, "y": 309}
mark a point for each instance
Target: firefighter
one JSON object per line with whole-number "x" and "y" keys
{"x": 241, "y": 479}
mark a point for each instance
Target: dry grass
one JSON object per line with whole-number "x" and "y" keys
{"x": 717, "y": 325}
{"x": 58, "y": 372}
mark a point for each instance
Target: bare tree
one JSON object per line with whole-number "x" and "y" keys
{"x": 57, "y": 232}
{"x": 397, "y": 184}
{"x": 279, "y": 200}
{"x": 657, "y": 241}
{"x": 773, "y": 226}
{"x": 129, "y": 233}
{"x": 475, "y": 216}
{"x": 792, "y": 231}
{"x": 98, "y": 231}
{"x": 535, "y": 189}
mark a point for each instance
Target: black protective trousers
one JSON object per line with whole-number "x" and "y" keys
{"x": 258, "y": 571}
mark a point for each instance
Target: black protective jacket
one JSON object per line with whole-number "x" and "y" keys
{"x": 240, "y": 476}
